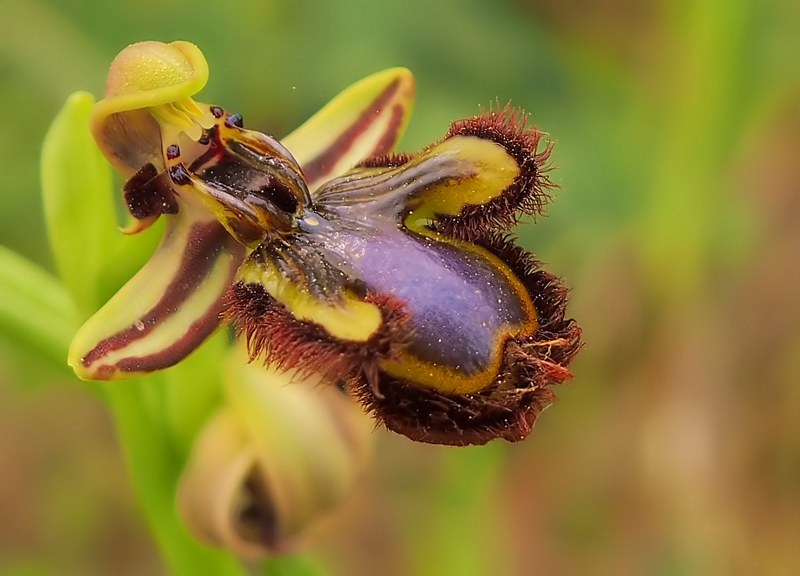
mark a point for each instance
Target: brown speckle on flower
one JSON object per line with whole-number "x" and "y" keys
{"x": 148, "y": 194}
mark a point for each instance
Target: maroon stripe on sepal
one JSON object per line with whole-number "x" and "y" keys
{"x": 387, "y": 141}
{"x": 206, "y": 244}
{"x": 180, "y": 349}
{"x": 323, "y": 164}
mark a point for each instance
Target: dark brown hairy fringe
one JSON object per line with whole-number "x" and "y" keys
{"x": 391, "y": 160}
{"x": 507, "y": 126}
{"x": 276, "y": 337}
{"x": 508, "y": 408}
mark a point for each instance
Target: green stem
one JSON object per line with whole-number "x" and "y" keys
{"x": 296, "y": 565}
{"x": 155, "y": 468}
{"x": 702, "y": 99}
{"x": 462, "y": 536}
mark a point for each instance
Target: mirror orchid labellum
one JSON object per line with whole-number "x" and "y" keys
{"x": 393, "y": 276}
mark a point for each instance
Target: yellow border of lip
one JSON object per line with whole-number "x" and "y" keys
{"x": 447, "y": 379}
{"x": 352, "y": 319}
{"x": 163, "y": 92}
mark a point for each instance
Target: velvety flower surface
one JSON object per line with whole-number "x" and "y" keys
{"x": 392, "y": 276}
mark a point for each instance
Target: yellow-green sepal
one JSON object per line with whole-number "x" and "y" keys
{"x": 366, "y": 119}
{"x": 168, "y": 308}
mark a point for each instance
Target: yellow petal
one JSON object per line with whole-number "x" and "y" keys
{"x": 149, "y": 73}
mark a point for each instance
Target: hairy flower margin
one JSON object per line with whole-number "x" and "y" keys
{"x": 391, "y": 276}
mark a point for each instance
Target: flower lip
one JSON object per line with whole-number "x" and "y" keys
{"x": 472, "y": 331}
{"x": 510, "y": 406}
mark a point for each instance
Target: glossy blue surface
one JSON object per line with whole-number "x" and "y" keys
{"x": 459, "y": 298}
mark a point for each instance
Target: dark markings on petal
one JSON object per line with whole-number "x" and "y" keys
{"x": 194, "y": 336}
{"x": 389, "y": 137}
{"x": 307, "y": 268}
{"x": 322, "y": 165}
{"x": 257, "y": 520}
{"x": 148, "y": 194}
{"x": 206, "y": 243}
{"x": 508, "y": 408}
{"x": 529, "y": 191}
{"x": 211, "y": 154}
{"x": 391, "y": 160}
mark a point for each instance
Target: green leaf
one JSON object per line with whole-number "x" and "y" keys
{"x": 78, "y": 202}
{"x": 35, "y": 308}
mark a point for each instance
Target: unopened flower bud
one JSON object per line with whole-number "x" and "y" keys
{"x": 280, "y": 454}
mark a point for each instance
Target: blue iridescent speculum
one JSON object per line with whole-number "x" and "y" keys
{"x": 391, "y": 275}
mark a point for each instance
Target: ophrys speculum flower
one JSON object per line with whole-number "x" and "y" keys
{"x": 394, "y": 279}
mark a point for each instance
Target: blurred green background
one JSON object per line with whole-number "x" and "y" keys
{"x": 677, "y": 129}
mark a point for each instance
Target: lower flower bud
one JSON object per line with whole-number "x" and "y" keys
{"x": 279, "y": 455}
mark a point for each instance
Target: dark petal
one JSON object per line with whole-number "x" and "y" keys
{"x": 508, "y": 408}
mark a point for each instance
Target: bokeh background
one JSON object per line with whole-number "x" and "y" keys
{"x": 676, "y": 448}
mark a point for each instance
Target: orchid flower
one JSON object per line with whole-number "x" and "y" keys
{"x": 392, "y": 276}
